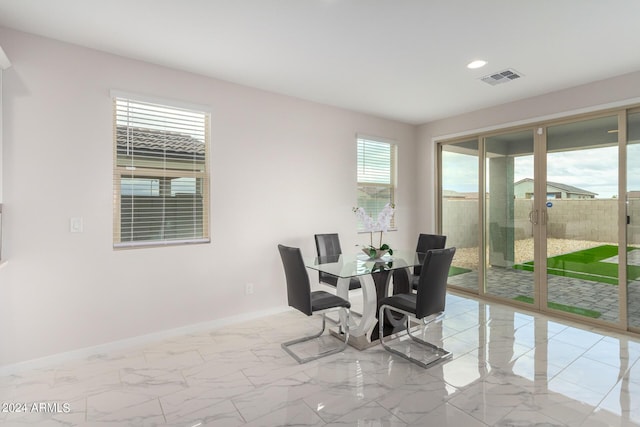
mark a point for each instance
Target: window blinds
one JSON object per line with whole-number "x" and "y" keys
{"x": 376, "y": 176}
{"x": 161, "y": 177}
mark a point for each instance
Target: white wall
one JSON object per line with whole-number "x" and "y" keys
{"x": 615, "y": 92}
{"x": 282, "y": 170}
{"x": 4, "y": 64}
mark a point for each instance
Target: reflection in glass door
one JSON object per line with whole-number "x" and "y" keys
{"x": 581, "y": 218}
{"x": 459, "y": 210}
{"x": 633, "y": 220}
{"x": 510, "y": 216}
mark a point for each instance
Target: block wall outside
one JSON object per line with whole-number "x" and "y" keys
{"x": 591, "y": 219}
{"x": 460, "y": 222}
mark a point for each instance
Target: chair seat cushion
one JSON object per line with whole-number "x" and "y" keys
{"x": 321, "y": 300}
{"x": 406, "y": 302}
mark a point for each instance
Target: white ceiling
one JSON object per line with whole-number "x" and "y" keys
{"x": 401, "y": 59}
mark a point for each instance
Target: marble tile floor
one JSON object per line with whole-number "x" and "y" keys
{"x": 509, "y": 368}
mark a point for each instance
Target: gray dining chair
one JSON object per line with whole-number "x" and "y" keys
{"x": 300, "y": 297}
{"x": 406, "y": 281}
{"x": 329, "y": 245}
{"x": 426, "y": 305}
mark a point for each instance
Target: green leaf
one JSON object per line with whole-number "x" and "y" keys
{"x": 385, "y": 247}
{"x": 372, "y": 252}
{"x": 390, "y": 251}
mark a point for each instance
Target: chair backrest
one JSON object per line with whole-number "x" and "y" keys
{"x": 426, "y": 242}
{"x": 432, "y": 286}
{"x": 327, "y": 245}
{"x": 298, "y": 286}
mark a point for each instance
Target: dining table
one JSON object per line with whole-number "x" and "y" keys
{"x": 378, "y": 278}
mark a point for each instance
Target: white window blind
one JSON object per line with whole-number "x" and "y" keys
{"x": 376, "y": 176}
{"x": 161, "y": 176}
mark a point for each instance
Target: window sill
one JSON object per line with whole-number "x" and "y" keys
{"x": 159, "y": 243}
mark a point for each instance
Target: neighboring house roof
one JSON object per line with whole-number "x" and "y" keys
{"x": 157, "y": 140}
{"x": 564, "y": 187}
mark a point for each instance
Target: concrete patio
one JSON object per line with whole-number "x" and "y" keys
{"x": 510, "y": 283}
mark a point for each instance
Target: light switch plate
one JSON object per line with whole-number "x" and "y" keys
{"x": 75, "y": 225}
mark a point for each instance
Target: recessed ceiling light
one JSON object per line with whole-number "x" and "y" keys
{"x": 476, "y": 64}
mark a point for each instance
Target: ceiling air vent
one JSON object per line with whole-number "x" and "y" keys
{"x": 501, "y": 77}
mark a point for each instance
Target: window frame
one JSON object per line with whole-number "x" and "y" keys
{"x": 121, "y": 171}
{"x": 393, "y": 177}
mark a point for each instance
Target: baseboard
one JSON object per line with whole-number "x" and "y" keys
{"x": 83, "y": 353}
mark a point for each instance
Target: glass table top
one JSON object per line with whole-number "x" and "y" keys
{"x": 351, "y": 265}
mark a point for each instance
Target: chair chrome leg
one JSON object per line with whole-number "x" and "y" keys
{"x": 440, "y": 353}
{"x": 337, "y": 321}
{"x": 286, "y": 346}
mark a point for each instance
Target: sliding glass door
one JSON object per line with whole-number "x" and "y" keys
{"x": 459, "y": 203}
{"x": 633, "y": 220}
{"x": 509, "y": 212}
{"x": 543, "y": 204}
{"x": 581, "y": 218}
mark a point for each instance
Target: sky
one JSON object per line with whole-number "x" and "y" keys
{"x": 595, "y": 170}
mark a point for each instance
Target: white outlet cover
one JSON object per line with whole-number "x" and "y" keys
{"x": 76, "y": 225}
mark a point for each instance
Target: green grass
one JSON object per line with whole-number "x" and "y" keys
{"x": 454, "y": 271}
{"x": 562, "y": 307}
{"x": 587, "y": 265}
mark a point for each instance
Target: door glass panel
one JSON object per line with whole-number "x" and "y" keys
{"x": 509, "y": 266}
{"x": 459, "y": 210}
{"x": 582, "y": 218}
{"x": 633, "y": 219}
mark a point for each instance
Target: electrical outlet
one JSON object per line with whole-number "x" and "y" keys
{"x": 248, "y": 289}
